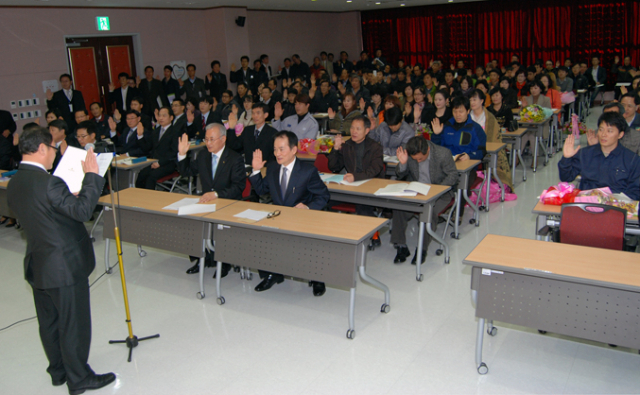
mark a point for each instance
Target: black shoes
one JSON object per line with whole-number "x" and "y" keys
{"x": 268, "y": 282}
{"x": 93, "y": 382}
{"x": 402, "y": 255}
{"x": 318, "y": 288}
{"x": 195, "y": 268}
{"x": 58, "y": 383}
{"x": 415, "y": 255}
{"x": 225, "y": 270}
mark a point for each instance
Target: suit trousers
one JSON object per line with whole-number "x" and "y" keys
{"x": 401, "y": 218}
{"x": 148, "y": 177}
{"x": 64, "y": 318}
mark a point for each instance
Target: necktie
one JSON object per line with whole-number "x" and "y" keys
{"x": 131, "y": 132}
{"x": 204, "y": 124}
{"x": 161, "y": 133}
{"x": 283, "y": 182}
{"x": 256, "y": 134}
{"x": 214, "y": 165}
{"x": 68, "y": 94}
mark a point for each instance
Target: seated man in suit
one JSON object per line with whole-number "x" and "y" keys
{"x": 101, "y": 120}
{"x": 196, "y": 127}
{"x": 303, "y": 124}
{"x": 428, "y": 163}
{"x": 224, "y": 107}
{"x": 276, "y": 95}
{"x": 257, "y": 136}
{"x": 325, "y": 99}
{"x": 123, "y": 95}
{"x": 288, "y": 105}
{"x": 179, "y": 119}
{"x": 67, "y": 100}
{"x": 86, "y": 133}
{"x": 163, "y": 146}
{"x": 129, "y": 141}
{"x": 606, "y": 164}
{"x": 394, "y": 132}
{"x": 361, "y": 156}
{"x": 137, "y": 104}
{"x": 222, "y": 173}
{"x": 631, "y": 101}
{"x": 266, "y": 97}
{"x": 291, "y": 183}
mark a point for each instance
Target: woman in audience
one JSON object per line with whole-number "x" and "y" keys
{"x": 466, "y": 86}
{"x": 480, "y": 115}
{"x": 521, "y": 87}
{"x": 510, "y": 98}
{"x": 418, "y": 106}
{"x": 551, "y": 91}
{"x": 244, "y": 117}
{"x": 389, "y": 102}
{"x": 499, "y": 108}
{"x": 484, "y": 87}
{"x": 377, "y": 93}
{"x": 440, "y": 108}
{"x": 407, "y": 96}
{"x": 480, "y": 75}
{"x": 52, "y": 115}
{"x": 340, "y": 122}
{"x": 537, "y": 90}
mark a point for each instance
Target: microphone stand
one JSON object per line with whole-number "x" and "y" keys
{"x": 131, "y": 341}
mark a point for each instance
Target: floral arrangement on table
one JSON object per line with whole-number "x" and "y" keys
{"x": 424, "y": 130}
{"x": 564, "y": 192}
{"x": 574, "y": 127}
{"x": 322, "y": 145}
{"x": 532, "y": 113}
{"x": 560, "y": 194}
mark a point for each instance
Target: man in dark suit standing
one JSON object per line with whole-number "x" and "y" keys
{"x": 291, "y": 183}
{"x": 129, "y": 141}
{"x": 264, "y": 60}
{"x": 193, "y": 87}
{"x": 257, "y": 136}
{"x": 123, "y": 95}
{"x": 7, "y": 149}
{"x": 216, "y": 82}
{"x": 285, "y": 72}
{"x": 67, "y": 101}
{"x": 222, "y": 173}
{"x": 196, "y": 125}
{"x": 245, "y": 74}
{"x": 59, "y": 258}
{"x": 163, "y": 146}
{"x": 152, "y": 92}
{"x": 596, "y": 75}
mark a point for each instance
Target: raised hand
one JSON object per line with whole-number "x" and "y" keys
{"x": 362, "y": 104}
{"x": 112, "y": 87}
{"x": 616, "y": 60}
{"x": 183, "y": 144}
{"x": 402, "y": 155}
{"x": 417, "y": 112}
{"x": 431, "y": 63}
{"x": 429, "y": 98}
{"x": 279, "y": 68}
{"x": 49, "y": 94}
{"x": 592, "y": 138}
{"x": 569, "y": 150}
{"x": 277, "y": 110}
{"x": 342, "y": 88}
{"x": 190, "y": 116}
{"x": 215, "y": 104}
{"x": 233, "y": 119}
{"x": 332, "y": 114}
{"x": 180, "y": 82}
{"x": 63, "y": 146}
{"x": 118, "y": 116}
{"x": 138, "y": 80}
{"x": 301, "y": 205}
{"x": 388, "y": 80}
{"x": 209, "y": 77}
{"x": 436, "y": 126}
{"x": 112, "y": 124}
{"x": 90, "y": 163}
{"x": 140, "y": 129}
{"x": 407, "y": 108}
{"x": 257, "y": 163}
{"x": 156, "y": 113}
{"x": 337, "y": 142}
{"x": 370, "y": 113}
{"x": 233, "y": 67}
{"x": 365, "y": 79}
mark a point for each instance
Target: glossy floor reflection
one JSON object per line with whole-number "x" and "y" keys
{"x": 285, "y": 341}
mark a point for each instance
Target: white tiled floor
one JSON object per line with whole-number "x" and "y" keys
{"x": 285, "y": 341}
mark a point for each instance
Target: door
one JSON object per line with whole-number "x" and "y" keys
{"x": 95, "y": 62}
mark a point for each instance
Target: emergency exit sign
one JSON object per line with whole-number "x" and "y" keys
{"x": 102, "y": 23}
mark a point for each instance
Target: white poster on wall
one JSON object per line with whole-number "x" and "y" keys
{"x": 179, "y": 69}
{"x": 50, "y": 84}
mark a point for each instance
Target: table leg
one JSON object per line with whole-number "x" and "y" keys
{"x": 456, "y": 232}
{"x": 377, "y": 284}
{"x": 513, "y": 162}
{"x": 200, "y": 295}
{"x": 107, "y": 244}
{"x": 142, "y": 253}
{"x": 541, "y": 222}
{"x": 481, "y": 366}
{"x": 524, "y": 168}
{"x": 95, "y": 224}
{"x": 220, "y": 300}
{"x": 476, "y": 215}
{"x": 418, "y": 257}
{"x": 495, "y": 174}
{"x": 351, "y": 332}
{"x": 439, "y": 240}
{"x": 487, "y": 178}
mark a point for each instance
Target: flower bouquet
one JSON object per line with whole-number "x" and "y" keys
{"x": 574, "y": 127}
{"x": 322, "y": 145}
{"x": 559, "y": 194}
{"x": 305, "y": 144}
{"x": 532, "y": 113}
{"x": 424, "y": 130}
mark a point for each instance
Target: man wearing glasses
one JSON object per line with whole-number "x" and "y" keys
{"x": 86, "y": 135}
{"x": 222, "y": 173}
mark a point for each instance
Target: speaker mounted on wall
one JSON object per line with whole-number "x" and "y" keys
{"x": 240, "y": 21}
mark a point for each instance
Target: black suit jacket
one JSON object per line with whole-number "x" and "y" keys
{"x": 195, "y": 130}
{"x": 239, "y": 76}
{"x": 217, "y": 85}
{"x": 372, "y": 162}
{"x": 131, "y": 145}
{"x": 284, "y": 74}
{"x": 60, "y": 102}
{"x": 305, "y": 186}
{"x": 151, "y": 95}
{"x": 116, "y": 97}
{"x": 164, "y": 149}
{"x": 246, "y": 142}
{"x": 180, "y": 124}
{"x": 59, "y": 250}
{"x": 195, "y": 90}
{"x": 230, "y": 178}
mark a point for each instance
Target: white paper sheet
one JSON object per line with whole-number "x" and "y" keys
{"x": 196, "y": 209}
{"x": 390, "y": 159}
{"x": 394, "y": 190}
{"x": 70, "y": 167}
{"x": 253, "y": 215}
{"x": 181, "y": 203}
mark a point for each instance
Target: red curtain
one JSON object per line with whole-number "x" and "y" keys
{"x": 478, "y": 32}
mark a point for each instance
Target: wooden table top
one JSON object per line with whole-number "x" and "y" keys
{"x": 535, "y": 257}
{"x": 494, "y": 148}
{"x": 516, "y": 133}
{"x": 369, "y": 187}
{"x": 149, "y": 200}
{"x": 546, "y": 209}
{"x": 311, "y": 222}
{"x": 534, "y": 123}
{"x": 466, "y": 165}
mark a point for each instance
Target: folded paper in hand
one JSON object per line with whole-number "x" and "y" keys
{"x": 403, "y": 189}
{"x": 70, "y": 167}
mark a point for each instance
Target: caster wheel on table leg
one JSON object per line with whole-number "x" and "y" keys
{"x": 109, "y": 271}
{"x": 420, "y": 277}
{"x": 438, "y": 252}
{"x": 483, "y": 369}
{"x": 249, "y": 277}
{"x": 472, "y": 221}
{"x": 542, "y": 332}
{"x": 142, "y": 253}
{"x": 351, "y": 334}
{"x": 385, "y": 308}
{"x": 220, "y": 300}
{"x": 236, "y": 269}
{"x": 454, "y": 236}
{"x": 200, "y": 295}
{"x": 493, "y": 331}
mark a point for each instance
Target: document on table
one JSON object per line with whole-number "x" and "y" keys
{"x": 252, "y": 215}
{"x": 390, "y": 159}
{"x": 196, "y": 209}
{"x": 339, "y": 179}
{"x": 403, "y": 189}
{"x": 70, "y": 167}
{"x": 181, "y": 203}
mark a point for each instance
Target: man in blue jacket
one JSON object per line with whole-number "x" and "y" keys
{"x": 460, "y": 134}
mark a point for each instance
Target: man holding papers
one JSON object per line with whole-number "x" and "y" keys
{"x": 427, "y": 163}
{"x": 222, "y": 173}
{"x": 292, "y": 183}
{"x": 59, "y": 257}
{"x": 362, "y": 157}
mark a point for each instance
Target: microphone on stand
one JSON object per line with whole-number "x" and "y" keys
{"x": 89, "y": 146}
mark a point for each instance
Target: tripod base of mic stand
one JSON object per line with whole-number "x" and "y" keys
{"x": 132, "y": 342}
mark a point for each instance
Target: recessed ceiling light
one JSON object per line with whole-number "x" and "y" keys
{"x": 450, "y": 1}
{"x": 402, "y": 5}
{"x": 349, "y": 1}
{"x": 377, "y": 2}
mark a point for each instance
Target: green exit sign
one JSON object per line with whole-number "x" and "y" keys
{"x": 102, "y": 23}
